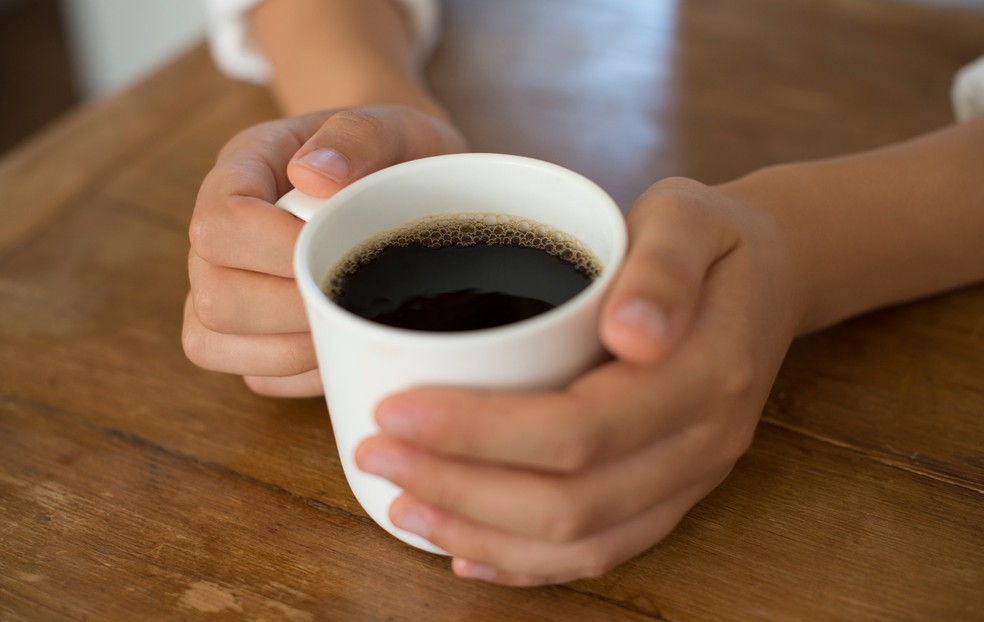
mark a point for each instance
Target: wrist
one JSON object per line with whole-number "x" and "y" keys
{"x": 877, "y": 228}
{"x": 778, "y": 195}
{"x": 330, "y": 54}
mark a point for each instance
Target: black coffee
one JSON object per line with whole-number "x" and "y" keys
{"x": 461, "y": 272}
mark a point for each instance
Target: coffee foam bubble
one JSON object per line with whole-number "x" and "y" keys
{"x": 469, "y": 229}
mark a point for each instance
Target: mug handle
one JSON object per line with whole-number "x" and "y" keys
{"x": 304, "y": 206}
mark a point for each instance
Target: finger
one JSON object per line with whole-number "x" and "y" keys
{"x": 546, "y": 506}
{"x": 244, "y": 233}
{"x": 354, "y": 143}
{"x": 233, "y": 301}
{"x": 612, "y": 411}
{"x": 246, "y": 355}
{"x": 467, "y": 569}
{"x": 235, "y": 223}
{"x": 672, "y": 245}
{"x": 500, "y": 557}
{"x": 254, "y": 162}
{"x": 307, "y": 384}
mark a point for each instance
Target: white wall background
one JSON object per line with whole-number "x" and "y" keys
{"x": 115, "y": 42}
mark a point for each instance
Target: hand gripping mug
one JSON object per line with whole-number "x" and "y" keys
{"x": 362, "y": 361}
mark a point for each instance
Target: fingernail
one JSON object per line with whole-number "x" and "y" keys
{"x": 328, "y": 162}
{"x": 378, "y": 463}
{"x": 644, "y": 317}
{"x": 472, "y": 570}
{"x": 414, "y": 521}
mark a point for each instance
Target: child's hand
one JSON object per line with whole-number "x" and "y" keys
{"x": 244, "y": 314}
{"x": 530, "y": 488}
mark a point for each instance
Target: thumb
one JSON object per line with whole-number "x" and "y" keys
{"x": 672, "y": 246}
{"x": 355, "y": 142}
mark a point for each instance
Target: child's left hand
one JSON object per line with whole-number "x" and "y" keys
{"x": 531, "y": 488}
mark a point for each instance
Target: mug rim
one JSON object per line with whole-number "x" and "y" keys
{"x": 313, "y": 294}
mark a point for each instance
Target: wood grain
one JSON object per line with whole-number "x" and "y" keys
{"x": 927, "y": 388}
{"x": 68, "y": 159}
{"x": 135, "y": 486}
{"x": 804, "y": 530}
{"x": 628, "y": 92}
{"x": 104, "y": 532}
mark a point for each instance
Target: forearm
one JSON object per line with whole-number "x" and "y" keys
{"x": 881, "y": 227}
{"x": 339, "y": 53}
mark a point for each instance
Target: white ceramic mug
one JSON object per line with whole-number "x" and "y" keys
{"x": 362, "y": 362}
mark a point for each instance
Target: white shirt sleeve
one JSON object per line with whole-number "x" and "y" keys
{"x": 968, "y": 91}
{"x": 237, "y": 55}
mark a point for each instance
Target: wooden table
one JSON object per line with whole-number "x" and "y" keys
{"x": 134, "y": 486}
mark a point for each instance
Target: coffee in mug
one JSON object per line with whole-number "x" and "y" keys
{"x": 461, "y": 272}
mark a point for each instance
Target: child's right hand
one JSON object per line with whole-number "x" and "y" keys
{"x": 244, "y": 314}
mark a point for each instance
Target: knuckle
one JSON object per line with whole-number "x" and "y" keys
{"x": 462, "y": 542}
{"x": 597, "y": 561}
{"x": 206, "y": 234}
{"x": 736, "y": 377}
{"x": 199, "y": 233}
{"x": 194, "y": 342}
{"x": 448, "y": 493}
{"x": 678, "y": 193}
{"x": 296, "y": 356}
{"x": 680, "y": 182}
{"x": 664, "y": 197}
{"x": 568, "y": 518}
{"x": 248, "y": 137}
{"x": 359, "y": 124}
{"x": 243, "y": 136}
{"x": 216, "y": 225}
{"x": 211, "y": 308}
{"x": 578, "y": 438}
{"x": 677, "y": 200}
{"x": 573, "y": 454}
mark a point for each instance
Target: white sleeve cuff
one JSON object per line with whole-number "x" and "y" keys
{"x": 237, "y": 55}
{"x": 968, "y": 91}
